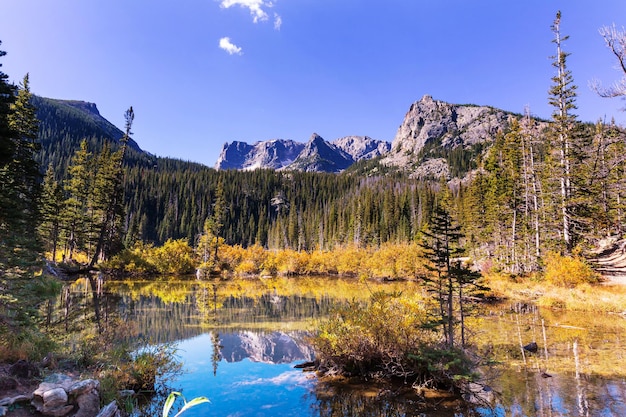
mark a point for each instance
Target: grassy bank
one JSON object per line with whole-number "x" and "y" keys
{"x": 594, "y": 298}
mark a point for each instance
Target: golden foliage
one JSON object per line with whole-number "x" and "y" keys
{"x": 389, "y": 337}
{"x": 567, "y": 271}
{"x": 174, "y": 257}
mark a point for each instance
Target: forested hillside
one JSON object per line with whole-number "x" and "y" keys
{"x": 63, "y": 124}
{"x": 168, "y": 198}
{"x": 275, "y": 209}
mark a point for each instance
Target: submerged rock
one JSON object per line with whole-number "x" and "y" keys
{"x": 531, "y": 347}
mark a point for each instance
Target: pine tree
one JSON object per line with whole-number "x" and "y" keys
{"x": 563, "y": 99}
{"x": 216, "y": 223}
{"x": 7, "y": 97}
{"x": 451, "y": 278}
{"x": 108, "y": 197}
{"x": 51, "y": 210}
{"x": 76, "y": 218}
{"x": 22, "y": 289}
{"x": 439, "y": 248}
{"x": 20, "y": 176}
{"x": 532, "y": 183}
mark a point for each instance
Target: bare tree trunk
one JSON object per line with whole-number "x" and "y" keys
{"x": 514, "y": 265}
{"x": 533, "y": 188}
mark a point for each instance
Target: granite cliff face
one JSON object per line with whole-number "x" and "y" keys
{"x": 362, "y": 147}
{"x": 321, "y": 156}
{"x": 317, "y": 155}
{"x": 430, "y": 133}
{"x": 431, "y": 124}
{"x": 273, "y": 154}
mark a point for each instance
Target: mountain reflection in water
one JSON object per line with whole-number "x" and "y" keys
{"x": 272, "y": 348}
{"x": 239, "y": 340}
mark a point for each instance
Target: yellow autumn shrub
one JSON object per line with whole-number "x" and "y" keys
{"x": 568, "y": 271}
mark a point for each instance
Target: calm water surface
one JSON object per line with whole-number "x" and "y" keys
{"x": 239, "y": 341}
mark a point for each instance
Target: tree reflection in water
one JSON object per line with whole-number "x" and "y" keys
{"x": 252, "y": 320}
{"x": 341, "y": 399}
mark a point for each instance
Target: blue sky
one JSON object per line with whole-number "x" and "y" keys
{"x": 200, "y": 73}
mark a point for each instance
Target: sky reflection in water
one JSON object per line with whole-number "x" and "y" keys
{"x": 243, "y": 388}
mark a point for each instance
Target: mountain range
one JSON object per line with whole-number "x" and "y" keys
{"x": 433, "y": 136}
{"x": 317, "y": 155}
{"x": 428, "y": 135}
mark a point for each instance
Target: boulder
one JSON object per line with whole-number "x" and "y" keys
{"x": 87, "y": 397}
{"x": 54, "y": 398}
{"x": 60, "y": 395}
{"x": 52, "y": 402}
{"x": 83, "y": 387}
{"x": 88, "y": 404}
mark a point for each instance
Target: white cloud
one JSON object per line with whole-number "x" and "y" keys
{"x": 286, "y": 378}
{"x": 230, "y": 47}
{"x": 278, "y": 21}
{"x": 257, "y": 10}
{"x": 255, "y": 6}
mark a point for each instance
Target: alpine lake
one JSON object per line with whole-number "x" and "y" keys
{"x": 238, "y": 341}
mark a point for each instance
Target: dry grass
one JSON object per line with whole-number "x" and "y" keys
{"x": 582, "y": 297}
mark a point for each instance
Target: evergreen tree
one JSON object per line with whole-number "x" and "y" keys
{"x": 104, "y": 202}
{"x": 439, "y": 248}
{"x": 216, "y": 222}
{"x": 76, "y": 218}
{"x": 22, "y": 289}
{"x": 7, "y": 97}
{"x": 109, "y": 197}
{"x": 451, "y": 278}
{"x": 563, "y": 98}
{"x": 51, "y": 210}
{"x": 20, "y": 176}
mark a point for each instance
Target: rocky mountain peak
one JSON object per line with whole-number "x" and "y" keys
{"x": 321, "y": 156}
{"x": 427, "y": 98}
{"x": 315, "y": 138}
{"x": 431, "y": 123}
{"x": 83, "y": 105}
{"x": 316, "y": 155}
{"x": 274, "y": 154}
{"x": 362, "y": 147}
